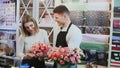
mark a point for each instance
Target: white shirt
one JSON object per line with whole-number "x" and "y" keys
{"x": 73, "y": 38}
{"x": 27, "y": 42}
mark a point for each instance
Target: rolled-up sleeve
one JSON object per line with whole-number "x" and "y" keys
{"x": 74, "y": 38}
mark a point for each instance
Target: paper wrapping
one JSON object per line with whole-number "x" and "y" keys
{"x": 116, "y": 29}
{"x": 117, "y": 38}
{"x": 77, "y": 17}
{"x": 115, "y": 56}
{"x": 98, "y": 1}
{"x": 97, "y": 30}
{"x": 97, "y": 18}
{"x": 116, "y": 23}
{"x": 94, "y": 46}
{"x": 115, "y": 48}
{"x": 95, "y": 38}
{"x": 116, "y": 9}
{"x": 117, "y": 14}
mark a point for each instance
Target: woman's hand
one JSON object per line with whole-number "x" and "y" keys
{"x": 28, "y": 56}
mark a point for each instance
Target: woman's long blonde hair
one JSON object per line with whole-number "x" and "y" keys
{"x": 26, "y": 19}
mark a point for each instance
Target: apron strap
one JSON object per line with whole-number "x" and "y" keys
{"x": 69, "y": 27}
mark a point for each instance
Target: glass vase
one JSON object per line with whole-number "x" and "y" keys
{"x": 66, "y": 66}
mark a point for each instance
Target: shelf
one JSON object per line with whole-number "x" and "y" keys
{"x": 112, "y": 64}
{"x": 117, "y": 43}
{"x": 116, "y": 32}
{"x": 11, "y": 57}
{"x": 39, "y": 8}
{"x": 115, "y": 50}
{"x": 116, "y": 12}
{"x": 8, "y": 28}
{"x": 116, "y": 18}
{"x": 9, "y": 60}
{"x": 94, "y": 26}
{"x": 27, "y": 8}
{"x": 3, "y": 41}
{"x": 115, "y": 63}
{"x": 112, "y": 60}
{"x": 51, "y": 7}
{"x": 116, "y": 47}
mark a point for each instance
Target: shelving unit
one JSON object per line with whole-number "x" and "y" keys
{"x": 7, "y": 30}
{"x": 115, "y": 36}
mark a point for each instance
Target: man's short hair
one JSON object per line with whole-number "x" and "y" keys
{"x": 61, "y": 9}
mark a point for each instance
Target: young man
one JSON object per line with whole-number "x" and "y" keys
{"x": 68, "y": 34}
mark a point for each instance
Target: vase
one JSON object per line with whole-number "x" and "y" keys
{"x": 33, "y": 62}
{"x": 66, "y": 66}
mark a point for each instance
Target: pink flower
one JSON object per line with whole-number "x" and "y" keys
{"x": 40, "y": 50}
{"x": 66, "y": 59}
{"x": 55, "y": 58}
{"x": 62, "y": 50}
{"x": 62, "y": 62}
{"x": 65, "y": 55}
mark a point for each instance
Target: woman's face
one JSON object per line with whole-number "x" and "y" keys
{"x": 30, "y": 27}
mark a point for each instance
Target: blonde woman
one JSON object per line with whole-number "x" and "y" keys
{"x": 30, "y": 34}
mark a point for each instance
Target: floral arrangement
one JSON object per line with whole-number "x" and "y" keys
{"x": 65, "y": 55}
{"x": 40, "y": 50}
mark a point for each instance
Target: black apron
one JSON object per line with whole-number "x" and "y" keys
{"x": 61, "y": 38}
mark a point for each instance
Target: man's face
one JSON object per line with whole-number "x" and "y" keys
{"x": 59, "y": 18}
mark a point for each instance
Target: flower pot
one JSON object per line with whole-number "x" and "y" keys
{"x": 66, "y": 66}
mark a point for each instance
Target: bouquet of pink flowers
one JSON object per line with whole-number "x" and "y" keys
{"x": 40, "y": 50}
{"x": 65, "y": 55}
